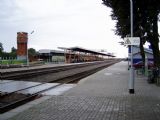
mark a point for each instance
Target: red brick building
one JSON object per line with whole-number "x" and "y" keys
{"x": 22, "y": 39}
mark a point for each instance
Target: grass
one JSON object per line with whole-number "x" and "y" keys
{"x": 9, "y": 62}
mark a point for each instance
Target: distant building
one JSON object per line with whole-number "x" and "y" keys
{"x": 22, "y": 39}
{"x": 72, "y": 55}
{"x": 51, "y": 55}
{"x": 78, "y": 54}
{"x": 137, "y": 56}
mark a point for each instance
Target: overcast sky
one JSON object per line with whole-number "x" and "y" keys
{"x": 59, "y": 23}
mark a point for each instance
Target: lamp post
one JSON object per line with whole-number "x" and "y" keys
{"x": 132, "y": 77}
{"x": 27, "y": 55}
{"x": 27, "y": 50}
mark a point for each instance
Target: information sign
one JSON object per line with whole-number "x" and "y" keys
{"x": 132, "y": 41}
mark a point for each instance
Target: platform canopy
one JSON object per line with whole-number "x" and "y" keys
{"x": 79, "y": 49}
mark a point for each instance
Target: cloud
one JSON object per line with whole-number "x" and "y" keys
{"x": 84, "y": 23}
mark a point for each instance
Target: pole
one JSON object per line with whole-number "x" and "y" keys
{"x": 27, "y": 54}
{"x": 131, "y": 80}
{"x": 131, "y": 13}
{"x": 27, "y": 49}
{"x": 131, "y": 83}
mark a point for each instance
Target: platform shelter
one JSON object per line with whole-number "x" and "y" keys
{"x": 78, "y": 54}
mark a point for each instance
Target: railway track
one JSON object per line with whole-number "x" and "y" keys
{"x": 13, "y": 99}
{"x": 18, "y": 74}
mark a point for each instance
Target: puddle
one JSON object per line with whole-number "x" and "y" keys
{"x": 108, "y": 74}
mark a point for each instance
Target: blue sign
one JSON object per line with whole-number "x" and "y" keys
{"x": 129, "y": 49}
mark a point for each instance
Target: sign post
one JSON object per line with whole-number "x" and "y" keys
{"x": 131, "y": 41}
{"x": 131, "y": 80}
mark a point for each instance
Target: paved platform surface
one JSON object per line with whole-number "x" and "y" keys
{"x": 102, "y": 96}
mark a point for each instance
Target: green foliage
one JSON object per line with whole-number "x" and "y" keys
{"x": 121, "y": 14}
{"x": 1, "y": 48}
{"x": 144, "y": 13}
{"x": 145, "y": 21}
{"x": 9, "y": 62}
{"x": 32, "y": 52}
{"x": 13, "y": 50}
{"x": 8, "y": 55}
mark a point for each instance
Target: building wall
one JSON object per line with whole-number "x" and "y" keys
{"x": 22, "y": 39}
{"x": 137, "y": 56}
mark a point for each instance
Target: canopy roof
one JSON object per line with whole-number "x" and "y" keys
{"x": 79, "y": 49}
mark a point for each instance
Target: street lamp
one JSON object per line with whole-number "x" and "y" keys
{"x": 27, "y": 50}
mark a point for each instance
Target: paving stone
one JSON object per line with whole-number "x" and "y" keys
{"x": 102, "y": 96}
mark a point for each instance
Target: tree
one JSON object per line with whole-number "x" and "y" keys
{"x": 1, "y": 47}
{"x": 32, "y": 52}
{"x": 152, "y": 12}
{"x": 121, "y": 13}
{"x": 145, "y": 22}
{"x": 13, "y": 52}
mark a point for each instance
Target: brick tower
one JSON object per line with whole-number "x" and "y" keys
{"x": 22, "y": 39}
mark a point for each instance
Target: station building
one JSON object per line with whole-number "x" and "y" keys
{"x": 137, "y": 56}
{"x": 72, "y": 55}
{"x": 51, "y": 55}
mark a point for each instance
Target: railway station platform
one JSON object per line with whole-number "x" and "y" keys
{"x": 101, "y": 96}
